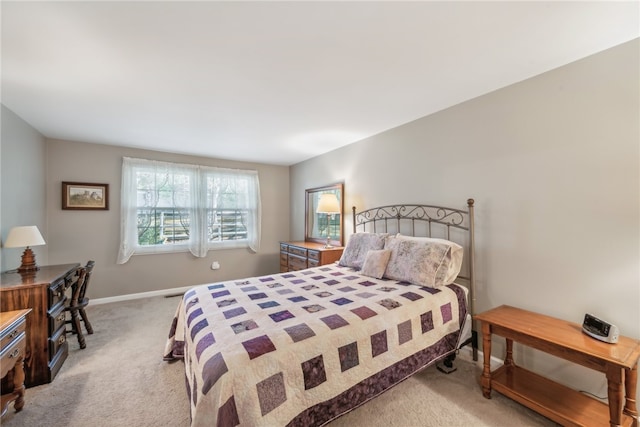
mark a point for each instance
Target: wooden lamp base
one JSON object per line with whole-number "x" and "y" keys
{"x": 28, "y": 261}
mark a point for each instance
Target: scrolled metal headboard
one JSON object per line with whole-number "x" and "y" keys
{"x": 428, "y": 221}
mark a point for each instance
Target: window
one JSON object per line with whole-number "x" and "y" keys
{"x": 170, "y": 207}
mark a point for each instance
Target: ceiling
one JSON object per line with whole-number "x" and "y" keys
{"x": 277, "y": 82}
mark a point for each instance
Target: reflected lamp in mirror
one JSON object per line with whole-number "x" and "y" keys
{"x": 328, "y": 204}
{"x": 25, "y": 237}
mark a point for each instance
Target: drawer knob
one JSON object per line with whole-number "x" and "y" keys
{"x": 14, "y": 353}
{"x": 13, "y": 334}
{"x": 61, "y": 318}
{"x": 62, "y": 339}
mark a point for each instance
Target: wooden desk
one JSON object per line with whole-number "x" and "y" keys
{"x": 565, "y": 340}
{"x": 13, "y": 343}
{"x": 44, "y": 292}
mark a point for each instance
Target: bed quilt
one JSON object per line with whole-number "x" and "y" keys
{"x": 303, "y": 347}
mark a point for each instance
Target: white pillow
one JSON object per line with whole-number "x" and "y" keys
{"x": 375, "y": 263}
{"x": 423, "y": 260}
{"x": 358, "y": 246}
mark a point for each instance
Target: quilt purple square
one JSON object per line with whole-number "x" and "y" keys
{"x": 367, "y": 283}
{"x": 447, "y": 314}
{"x": 298, "y": 299}
{"x": 334, "y": 321}
{"x": 249, "y": 289}
{"x": 206, "y": 342}
{"x": 411, "y": 296}
{"x": 247, "y": 325}
{"x": 281, "y": 315}
{"x": 331, "y": 282}
{"x": 212, "y": 370}
{"x": 189, "y": 294}
{"x": 405, "y": 334}
{"x": 193, "y": 315}
{"x": 341, "y": 301}
{"x": 258, "y": 296}
{"x": 228, "y": 413}
{"x": 365, "y": 295}
{"x": 271, "y": 393}
{"x": 190, "y": 304}
{"x": 226, "y": 302}
{"x": 313, "y": 308}
{"x": 426, "y": 321}
{"x": 234, "y": 312}
{"x": 297, "y": 281}
{"x": 285, "y": 291}
{"x": 268, "y": 304}
{"x": 313, "y": 372}
{"x": 347, "y": 289}
{"x": 348, "y": 356}
{"x": 379, "y": 343}
{"x": 198, "y": 327}
{"x": 258, "y": 346}
{"x": 220, "y": 294}
{"x": 432, "y": 291}
{"x": 266, "y": 279}
{"x": 364, "y": 312}
{"x": 216, "y": 286}
{"x": 300, "y": 332}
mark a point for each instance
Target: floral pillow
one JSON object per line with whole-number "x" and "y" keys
{"x": 358, "y": 246}
{"x": 423, "y": 261}
{"x": 375, "y": 263}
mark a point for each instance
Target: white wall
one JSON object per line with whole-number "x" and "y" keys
{"x": 553, "y": 164}
{"x": 22, "y": 185}
{"x": 77, "y": 236}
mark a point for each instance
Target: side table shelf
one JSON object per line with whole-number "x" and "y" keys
{"x": 565, "y": 340}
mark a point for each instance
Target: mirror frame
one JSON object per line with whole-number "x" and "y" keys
{"x": 312, "y": 195}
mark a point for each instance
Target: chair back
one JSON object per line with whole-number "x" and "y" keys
{"x": 80, "y": 287}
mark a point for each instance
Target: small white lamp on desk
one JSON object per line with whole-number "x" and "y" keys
{"x": 329, "y": 205}
{"x": 25, "y": 236}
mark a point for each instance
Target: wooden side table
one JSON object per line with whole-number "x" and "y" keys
{"x": 13, "y": 341}
{"x": 565, "y": 340}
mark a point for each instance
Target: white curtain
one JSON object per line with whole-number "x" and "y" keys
{"x": 203, "y": 194}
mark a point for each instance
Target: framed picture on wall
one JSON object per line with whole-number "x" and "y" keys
{"x": 85, "y": 196}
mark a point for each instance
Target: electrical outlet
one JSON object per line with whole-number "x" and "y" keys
{"x": 215, "y": 265}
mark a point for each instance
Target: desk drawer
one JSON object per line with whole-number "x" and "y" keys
{"x": 284, "y": 258}
{"x": 56, "y": 341}
{"x": 298, "y": 251}
{"x": 11, "y": 353}
{"x": 57, "y": 360}
{"x": 56, "y": 293}
{"x": 12, "y": 333}
{"x": 297, "y": 263}
{"x": 57, "y": 319}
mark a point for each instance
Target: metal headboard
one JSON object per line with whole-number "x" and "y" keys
{"x": 452, "y": 224}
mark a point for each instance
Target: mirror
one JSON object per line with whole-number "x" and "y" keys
{"x": 320, "y": 226}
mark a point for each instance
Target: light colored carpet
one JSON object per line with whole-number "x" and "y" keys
{"x": 121, "y": 380}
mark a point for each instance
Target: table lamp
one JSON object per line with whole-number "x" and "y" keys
{"x": 25, "y": 236}
{"x": 328, "y": 204}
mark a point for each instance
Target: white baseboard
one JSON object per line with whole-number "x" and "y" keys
{"x": 128, "y": 297}
{"x": 466, "y": 353}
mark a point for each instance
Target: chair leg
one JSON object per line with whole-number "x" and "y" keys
{"x": 75, "y": 321}
{"x": 85, "y": 319}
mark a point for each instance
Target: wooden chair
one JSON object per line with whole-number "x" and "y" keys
{"x": 78, "y": 302}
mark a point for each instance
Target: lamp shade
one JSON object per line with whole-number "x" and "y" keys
{"x": 20, "y": 237}
{"x": 328, "y": 204}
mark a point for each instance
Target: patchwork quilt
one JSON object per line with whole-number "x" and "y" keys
{"x": 303, "y": 347}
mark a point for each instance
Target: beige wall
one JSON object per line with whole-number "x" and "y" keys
{"x": 76, "y": 236}
{"x": 553, "y": 164}
{"x": 22, "y": 185}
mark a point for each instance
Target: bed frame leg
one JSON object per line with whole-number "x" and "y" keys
{"x": 446, "y": 365}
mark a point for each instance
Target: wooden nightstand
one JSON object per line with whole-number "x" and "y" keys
{"x": 565, "y": 340}
{"x": 13, "y": 340}
{"x": 300, "y": 255}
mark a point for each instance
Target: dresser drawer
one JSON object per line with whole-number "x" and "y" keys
{"x": 14, "y": 349}
{"x": 284, "y": 247}
{"x": 313, "y": 263}
{"x": 297, "y": 263}
{"x": 315, "y": 255}
{"x": 57, "y": 319}
{"x": 56, "y": 341}
{"x": 284, "y": 258}
{"x": 11, "y": 333}
{"x": 298, "y": 251}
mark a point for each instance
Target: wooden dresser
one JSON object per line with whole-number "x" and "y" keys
{"x": 13, "y": 343}
{"x": 300, "y": 255}
{"x": 44, "y": 293}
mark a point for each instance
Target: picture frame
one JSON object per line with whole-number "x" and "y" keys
{"x": 85, "y": 196}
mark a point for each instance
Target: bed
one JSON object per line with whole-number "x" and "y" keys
{"x": 302, "y": 348}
